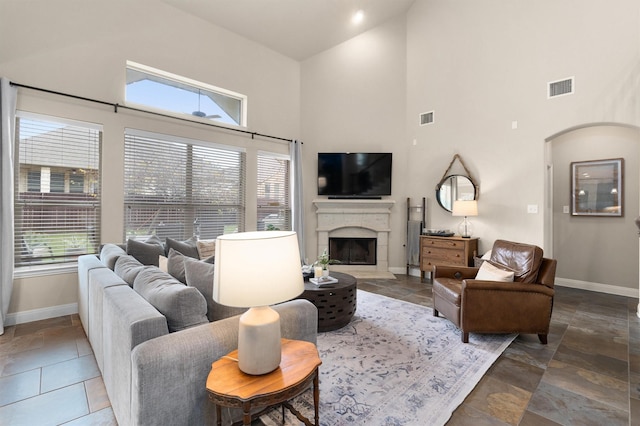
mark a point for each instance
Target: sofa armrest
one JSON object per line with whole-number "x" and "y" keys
{"x": 86, "y": 263}
{"x": 457, "y": 272}
{"x": 169, "y": 373}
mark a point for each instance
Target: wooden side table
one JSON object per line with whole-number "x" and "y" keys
{"x": 227, "y": 386}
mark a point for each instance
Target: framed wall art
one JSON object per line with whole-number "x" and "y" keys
{"x": 597, "y": 188}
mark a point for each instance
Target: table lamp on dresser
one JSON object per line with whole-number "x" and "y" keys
{"x": 465, "y": 208}
{"x": 254, "y": 270}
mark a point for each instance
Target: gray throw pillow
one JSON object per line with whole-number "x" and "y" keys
{"x": 110, "y": 253}
{"x": 147, "y": 252}
{"x": 188, "y": 247}
{"x": 199, "y": 274}
{"x": 182, "y": 306}
{"x": 175, "y": 265}
{"x": 128, "y": 268}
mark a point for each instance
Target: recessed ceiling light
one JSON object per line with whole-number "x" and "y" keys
{"x": 357, "y": 17}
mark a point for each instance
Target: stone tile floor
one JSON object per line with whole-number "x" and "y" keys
{"x": 588, "y": 374}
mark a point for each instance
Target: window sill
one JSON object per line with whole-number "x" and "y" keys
{"x": 42, "y": 270}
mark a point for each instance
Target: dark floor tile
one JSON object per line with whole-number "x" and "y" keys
{"x": 594, "y": 362}
{"x": 465, "y": 415}
{"x": 590, "y": 342}
{"x": 96, "y": 394}
{"x": 533, "y": 419}
{"x": 634, "y": 412}
{"x": 516, "y": 373}
{"x": 567, "y": 408}
{"x": 591, "y": 385}
{"x": 500, "y": 400}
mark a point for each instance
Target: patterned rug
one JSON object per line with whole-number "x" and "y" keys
{"x": 395, "y": 364}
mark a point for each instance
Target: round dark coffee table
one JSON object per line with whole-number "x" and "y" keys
{"x": 336, "y": 302}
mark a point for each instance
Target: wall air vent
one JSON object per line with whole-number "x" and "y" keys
{"x": 426, "y": 118}
{"x": 561, "y": 87}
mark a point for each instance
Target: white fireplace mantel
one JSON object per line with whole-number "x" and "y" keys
{"x": 356, "y": 216}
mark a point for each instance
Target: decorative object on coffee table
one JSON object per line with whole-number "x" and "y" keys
{"x": 336, "y": 302}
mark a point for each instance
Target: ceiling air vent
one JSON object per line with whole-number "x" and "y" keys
{"x": 561, "y": 87}
{"x": 426, "y": 118}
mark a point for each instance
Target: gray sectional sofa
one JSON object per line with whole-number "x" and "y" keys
{"x": 154, "y": 337}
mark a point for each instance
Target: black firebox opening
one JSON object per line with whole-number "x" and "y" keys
{"x": 353, "y": 251}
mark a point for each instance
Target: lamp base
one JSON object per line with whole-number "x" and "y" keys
{"x": 259, "y": 346}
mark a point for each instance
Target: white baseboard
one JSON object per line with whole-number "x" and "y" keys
{"x": 601, "y": 288}
{"x": 40, "y": 314}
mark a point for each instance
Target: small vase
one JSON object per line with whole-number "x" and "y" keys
{"x": 325, "y": 272}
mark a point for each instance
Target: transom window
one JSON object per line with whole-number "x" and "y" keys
{"x": 168, "y": 92}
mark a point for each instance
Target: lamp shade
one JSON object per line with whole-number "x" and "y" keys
{"x": 257, "y": 268}
{"x": 465, "y": 208}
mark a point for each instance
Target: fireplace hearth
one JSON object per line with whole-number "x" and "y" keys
{"x": 353, "y": 251}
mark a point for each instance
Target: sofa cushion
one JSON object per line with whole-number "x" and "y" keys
{"x": 490, "y": 272}
{"x": 175, "y": 265}
{"x": 183, "y": 306}
{"x": 523, "y": 259}
{"x": 199, "y": 274}
{"x": 147, "y": 252}
{"x": 206, "y": 248}
{"x": 128, "y": 268}
{"x": 187, "y": 247}
{"x": 110, "y": 253}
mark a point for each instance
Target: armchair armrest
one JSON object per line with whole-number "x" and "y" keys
{"x": 456, "y": 272}
{"x": 505, "y": 307}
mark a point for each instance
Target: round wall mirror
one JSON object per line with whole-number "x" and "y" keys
{"x": 455, "y": 187}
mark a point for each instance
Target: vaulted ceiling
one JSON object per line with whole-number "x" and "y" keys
{"x": 298, "y": 29}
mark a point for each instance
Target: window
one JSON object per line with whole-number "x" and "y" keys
{"x": 179, "y": 188}
{"x": 172, "y": 93}
{"x": 54, "y": 224}
{"x": 274, "y": 205}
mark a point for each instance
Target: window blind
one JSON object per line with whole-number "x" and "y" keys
{"x": 274, "y": 195}
{"x": 179, "y": 188}
{"x": 57, "y": 190}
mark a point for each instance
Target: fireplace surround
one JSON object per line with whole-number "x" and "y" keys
{"x": 359, "y": 219}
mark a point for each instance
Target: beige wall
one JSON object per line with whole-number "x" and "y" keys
{"x": 353, "y": 99}
{"x": 81, "y": 48}
{"x": 481, "y": 66}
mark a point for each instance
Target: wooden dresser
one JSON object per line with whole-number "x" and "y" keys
{"x": 454, "y": 251}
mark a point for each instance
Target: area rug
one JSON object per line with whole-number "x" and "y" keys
{"x": 395, "y": 364}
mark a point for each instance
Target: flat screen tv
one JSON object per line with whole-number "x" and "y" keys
{"x": 354, "y": 174}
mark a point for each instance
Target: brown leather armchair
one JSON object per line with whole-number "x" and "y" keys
{"x": 521, "y": 306}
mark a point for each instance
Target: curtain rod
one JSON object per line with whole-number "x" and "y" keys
{"x": 116, "y": 106}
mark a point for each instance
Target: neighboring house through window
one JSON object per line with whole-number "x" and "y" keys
{"x": 57, "y": 189}
{"x": 274, "y": 196}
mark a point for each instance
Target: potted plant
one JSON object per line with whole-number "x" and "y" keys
{"x": 324, "y": 261}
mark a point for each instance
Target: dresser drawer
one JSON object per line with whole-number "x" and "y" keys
{"x": 446, "y": 251}
{"x": 445, "y": 255}
{"x": 442, "y": 243}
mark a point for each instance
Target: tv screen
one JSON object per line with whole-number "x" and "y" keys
{"x": 357, "y": 174}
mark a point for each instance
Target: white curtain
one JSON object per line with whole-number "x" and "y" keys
{"x": 8, "y": 96}
{"x": 298, "y": 198}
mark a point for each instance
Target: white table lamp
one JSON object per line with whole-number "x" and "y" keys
{"x": 465, "y": 208}
{"x": 254, "y": 270}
